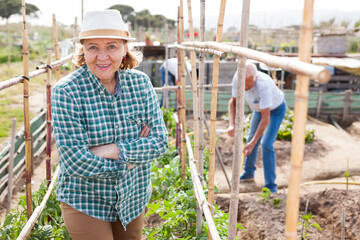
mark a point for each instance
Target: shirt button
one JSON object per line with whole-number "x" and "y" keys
{"x": 116, "y": 126}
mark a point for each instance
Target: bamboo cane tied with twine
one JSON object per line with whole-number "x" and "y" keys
{"x": 300, "y": 113}
{"x": 48, "y": 120}
{"x": 56, "y": 44}
{"x": 27, "y": 133}
{"x": 183, "y": 83}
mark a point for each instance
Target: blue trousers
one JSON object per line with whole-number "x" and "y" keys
{"x": 171, "y": 81}
{"x": 267, "y": 146}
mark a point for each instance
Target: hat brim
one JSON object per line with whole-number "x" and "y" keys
{"x": 77, "y": 40}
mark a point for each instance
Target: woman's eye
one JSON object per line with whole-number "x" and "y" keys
{"x": 92, "y": 48}
{"x": 112, "y": 47}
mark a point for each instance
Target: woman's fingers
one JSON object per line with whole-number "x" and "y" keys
{"x": 145, "y": 131}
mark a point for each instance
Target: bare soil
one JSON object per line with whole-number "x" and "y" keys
{"x": 327, "y": 159}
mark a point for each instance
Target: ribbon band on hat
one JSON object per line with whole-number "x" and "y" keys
{"x": 105, "y": 32}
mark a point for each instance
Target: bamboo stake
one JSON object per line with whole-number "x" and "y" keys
{"x": 178, "y": 93}
{"x": 48, "y": 120}
{"x": 213, "y": 108}
{"x": 297, "y": 143}
{"x": 195, "y": 90}
{"x": 57, "y": 55}
{"x": 296, "y": 66}
{"x": 73, "y": 66}
{"x": 343, "y": 225}
{"x": 11, "y": 166}
{"x": 165, "y": 102}
{"x": 82, "y": 10}
{"x": 239, "y": 122}
{"x": 201, "y": 113}
{"x": 27, "y": 134}
{"x": 183, "y": 83}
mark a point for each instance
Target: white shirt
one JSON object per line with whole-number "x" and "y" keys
{"x": 173, "y": 66}
{"x": 264, "y": 94}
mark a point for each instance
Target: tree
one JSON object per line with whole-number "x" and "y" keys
{"x": 13, "y": 7}
{"x": 127, "y": 12}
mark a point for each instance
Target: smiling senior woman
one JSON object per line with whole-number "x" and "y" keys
{"x": 108, "y": 128}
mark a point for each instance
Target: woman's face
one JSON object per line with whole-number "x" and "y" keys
{"x": 103, "y": 56}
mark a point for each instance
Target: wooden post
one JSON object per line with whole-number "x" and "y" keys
{"x": 201, "y": 112}
{"x": 214, "y": 108}
{"x": 27, "y": 134}
{"x": 48, "y": 120}
{"x": 183, "y": 83}
{"x": 57, "y": 55}
{"x": 347, "y": 104}
{"x": 318, "y": 107}
{"x": 11, "y": 166}
{"x": 239, "y": 122}
{"x": 298, "y": 140}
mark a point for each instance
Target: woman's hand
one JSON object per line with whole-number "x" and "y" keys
{"x": 145, "y": 131}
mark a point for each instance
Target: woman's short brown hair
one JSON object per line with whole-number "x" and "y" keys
{"x": 132, "y": 59}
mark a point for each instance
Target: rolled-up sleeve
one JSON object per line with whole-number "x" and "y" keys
{"x": 72, "y": 140}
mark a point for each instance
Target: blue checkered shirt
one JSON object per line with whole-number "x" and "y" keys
{"x": 85, "y": 115}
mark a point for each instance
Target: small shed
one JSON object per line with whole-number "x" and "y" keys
{"x": 334, "y": 43}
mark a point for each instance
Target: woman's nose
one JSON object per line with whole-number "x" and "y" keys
{"x": 102, "y": 54}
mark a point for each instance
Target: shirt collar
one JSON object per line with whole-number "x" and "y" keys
{"x": 101, "y": 87}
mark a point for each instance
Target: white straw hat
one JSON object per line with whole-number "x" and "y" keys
{"x": 103, "y": 24}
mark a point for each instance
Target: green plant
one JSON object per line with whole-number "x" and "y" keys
{"x": 169, "y": 121}
{"x": 306, "y": 224}
{"x": 276, "y": 202}
{"x": 265, "y": 194}
{"x": 347, "y": 176}
{"x": 173, "y": 201}
{"x": 50, "y": 224}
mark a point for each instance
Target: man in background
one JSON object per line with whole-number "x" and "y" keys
{"x": 268, "y": 104}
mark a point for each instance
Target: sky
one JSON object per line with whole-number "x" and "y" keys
{"x": 263, "y": 13}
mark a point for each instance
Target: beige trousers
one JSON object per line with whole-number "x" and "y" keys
{"x": 84, "y": 227}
